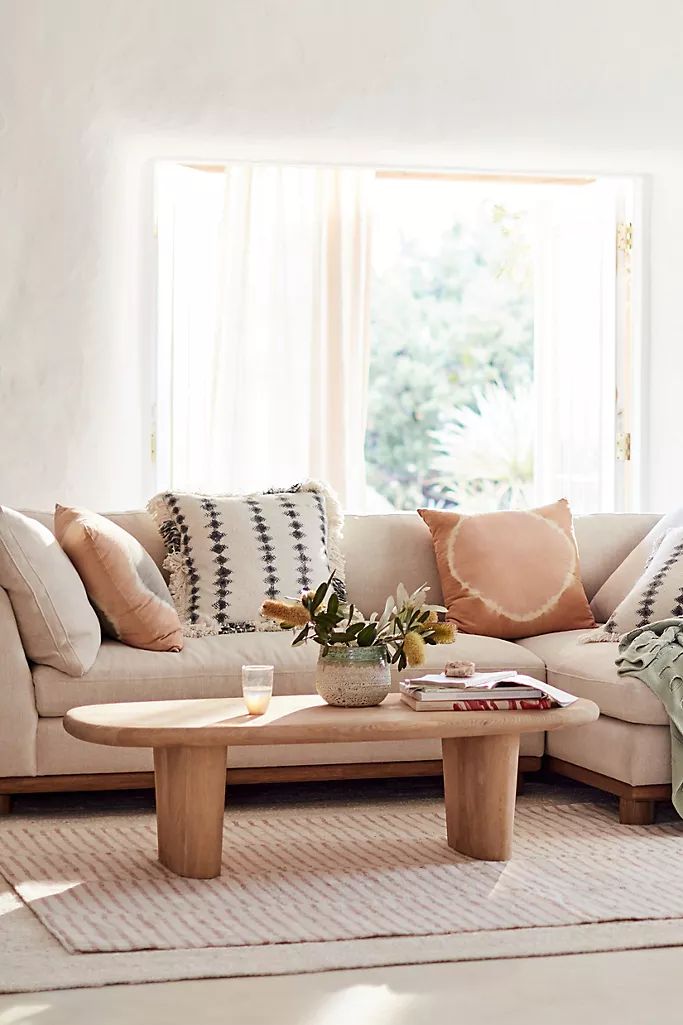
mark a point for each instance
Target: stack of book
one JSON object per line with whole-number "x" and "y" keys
{"x": 482, "y": 692}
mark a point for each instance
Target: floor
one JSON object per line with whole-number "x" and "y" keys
{"x": 627, "y": 987}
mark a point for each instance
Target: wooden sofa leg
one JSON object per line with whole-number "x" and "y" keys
{"x": 633, "y": 812}
{"x": 5, "y": 804}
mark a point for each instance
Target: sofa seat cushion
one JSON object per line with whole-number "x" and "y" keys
{"x": 207, "y": 667}
{"x": 210, "y": 667}
{"x": 588, "y": 670}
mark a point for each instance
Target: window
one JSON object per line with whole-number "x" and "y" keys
{"x": 444, "y": 340}
{"x": 451, "y": 406}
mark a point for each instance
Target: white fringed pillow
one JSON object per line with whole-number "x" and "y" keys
{"x": 657, "y": 595}
{"x": 227, "y": 553}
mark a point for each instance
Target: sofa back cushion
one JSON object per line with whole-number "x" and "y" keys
{"x": 384, "y": 550}
{"x": 56, "y": 622}
{"x": 137, "y": 522}
{"x": 616, "y": 585}
{"x": 604, "y": 540}
{"x": 656, "y": 595}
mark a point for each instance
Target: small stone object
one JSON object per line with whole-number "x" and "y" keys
{"x": 459, "y": 669}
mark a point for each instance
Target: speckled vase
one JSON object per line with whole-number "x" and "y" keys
{"x": 354, "y": 677}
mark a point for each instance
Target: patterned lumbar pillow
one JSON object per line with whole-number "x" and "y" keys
{"x": 227, "y": 553}
{"x": 657, "y": 595}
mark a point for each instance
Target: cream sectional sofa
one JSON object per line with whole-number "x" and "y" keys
{"x": 626, "y": 751}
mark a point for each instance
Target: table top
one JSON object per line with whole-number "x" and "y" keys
{"x": 298, "y": 719}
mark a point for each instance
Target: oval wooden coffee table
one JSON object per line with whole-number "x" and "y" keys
{"x": 191, "y": 739}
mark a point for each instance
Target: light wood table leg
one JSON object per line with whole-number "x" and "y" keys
{"x": 480, "y": 780}
{"x": 190, "y": 798}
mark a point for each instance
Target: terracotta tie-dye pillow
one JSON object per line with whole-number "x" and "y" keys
{"x": 121, "y": 580}
{"x": 510, "y": 574}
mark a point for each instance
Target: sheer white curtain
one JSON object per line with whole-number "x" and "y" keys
{"x": 284, "y": 343}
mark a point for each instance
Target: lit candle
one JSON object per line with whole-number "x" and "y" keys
{"x": 257, "y": 688}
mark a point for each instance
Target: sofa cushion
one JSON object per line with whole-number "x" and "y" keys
{"x": 56, "y": 622}
{"x": 211, "y": 667}
{"x": 656, "y": 595}
{"x": 138, "y": 523}
{"x": 588, "y": 670}
{"x": 604, "y": 541}
{"x": 384, "y": 550}
{"x": 626, "y": 575}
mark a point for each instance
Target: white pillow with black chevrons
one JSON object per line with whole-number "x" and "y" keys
{"x": 657, "y": 595}
{"x": 227, "y": 553}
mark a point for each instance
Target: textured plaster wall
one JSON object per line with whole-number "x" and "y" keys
{"x": 92, "y": 91}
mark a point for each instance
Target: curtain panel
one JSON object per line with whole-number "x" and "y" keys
{"x": 269, "y": 349}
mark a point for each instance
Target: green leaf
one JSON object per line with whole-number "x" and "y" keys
{"x": 320, "y": 593}
{"x": 300, "y": 638}
{"x": 367, "y": 636}
{"x": 333, "y": 605}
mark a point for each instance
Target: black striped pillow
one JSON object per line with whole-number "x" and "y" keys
{"x": 227, "y": 553}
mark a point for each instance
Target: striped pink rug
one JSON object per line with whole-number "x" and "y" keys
{"x": 294, "y": 877}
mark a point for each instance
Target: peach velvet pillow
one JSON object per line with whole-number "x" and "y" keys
{"x": 121, "y": 580}
{"x": 510, "y": 574}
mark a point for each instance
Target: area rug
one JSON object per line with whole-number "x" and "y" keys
{"x": 330, "y": 889}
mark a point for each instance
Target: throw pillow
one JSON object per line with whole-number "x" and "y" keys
{"x": 121, "y": 579}
{"x": 510, "y": 574}
{"x": 56, "y": 622}
{"x": 228, "y": 553}
{"x": 657, "y": 595}
{"x": 625, "y": 577}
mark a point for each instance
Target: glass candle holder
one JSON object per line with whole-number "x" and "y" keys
{"x": 257, "y": 688}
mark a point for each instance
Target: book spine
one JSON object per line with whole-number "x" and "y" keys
{"x": 501, "y": 704}
{"x": 482, "y": 705}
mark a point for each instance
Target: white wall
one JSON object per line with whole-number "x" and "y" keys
{"x": 91, "y": 91}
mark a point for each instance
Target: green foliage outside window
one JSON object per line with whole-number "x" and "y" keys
{"x": 450, "y": 404}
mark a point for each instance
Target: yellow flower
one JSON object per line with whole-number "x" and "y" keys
{"x": 414, "y": 648}
{"x": 433, "y": 619}
{"x": 286, "y": 614}
{"x": 444, "y": 633}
